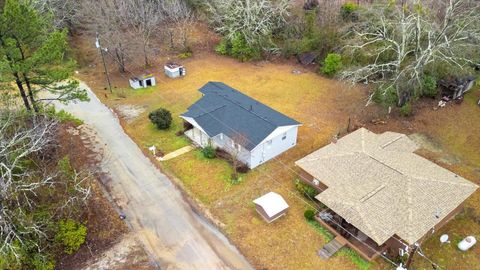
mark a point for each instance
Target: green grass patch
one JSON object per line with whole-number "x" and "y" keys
{"x": 321, "y": 230}
{"x": 360, "y": 262}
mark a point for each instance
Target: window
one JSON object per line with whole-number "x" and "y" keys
{"x": 284, "y": 136}
{"x": 221, "y": 136}
{"x": 269, "y": 143}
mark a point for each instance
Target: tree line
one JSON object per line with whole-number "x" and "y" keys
{"x": 42, "y": 196}
{"x": 400, "y": 47}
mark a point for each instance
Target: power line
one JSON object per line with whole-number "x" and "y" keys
{"x": 280, "y": 184}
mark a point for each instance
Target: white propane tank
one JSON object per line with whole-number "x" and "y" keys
{"x": 467, "y": 243}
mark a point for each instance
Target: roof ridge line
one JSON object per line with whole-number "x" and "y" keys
{"x": 460, "y": 183}
{"x": 263, "y": 118}
{"x": 392, "y": 141}
{"x": 207, "y": 112}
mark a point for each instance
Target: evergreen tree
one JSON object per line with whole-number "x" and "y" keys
{"x": 33, "y": 55}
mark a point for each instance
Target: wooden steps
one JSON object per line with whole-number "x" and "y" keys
{"x": 331, "y": 247}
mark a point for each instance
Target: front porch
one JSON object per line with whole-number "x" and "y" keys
{"x": 197, "y": 136}
{"x": 356, "y": 240}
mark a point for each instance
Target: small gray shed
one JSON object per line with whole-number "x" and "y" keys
{"x": 174, "y": 70}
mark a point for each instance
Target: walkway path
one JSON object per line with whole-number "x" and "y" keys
{"x": 176, "y": 153}
{"x": 172, "y": 233}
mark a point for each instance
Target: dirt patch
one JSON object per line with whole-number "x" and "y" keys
{"x": 126, "y": 254}
{"x": 129, "y": 112}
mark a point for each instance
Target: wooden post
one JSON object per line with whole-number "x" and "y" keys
{"x": 410, "y": 256}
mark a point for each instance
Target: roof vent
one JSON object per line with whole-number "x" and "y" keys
{"x": 251, "y": 107}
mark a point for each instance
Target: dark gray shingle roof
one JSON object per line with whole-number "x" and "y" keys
{"x": 223, "y": 109}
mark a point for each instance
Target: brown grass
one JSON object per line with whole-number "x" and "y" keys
{"x": 324, "y": 107}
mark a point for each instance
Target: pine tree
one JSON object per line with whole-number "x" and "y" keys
{"x": 33, "y": 55}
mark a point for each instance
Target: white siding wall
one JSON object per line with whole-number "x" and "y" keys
{"x": 223, "y": 142}
{"x": 261, "y": 154}
{"x": 267, "y": 151}
{"x": 134, "y": 84}
{"x": 197, "y": 136}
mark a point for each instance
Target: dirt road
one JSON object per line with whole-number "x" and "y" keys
{"x": 172, "y": 233}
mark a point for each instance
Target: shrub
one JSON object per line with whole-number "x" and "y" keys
{"x": 429, "y": 86}
{"x": 386, "y": 97}
{"x": 238, "y": 48}
{"x": 242, "y": 50}
{"x": 348, "y": 11}
{"x": 305, "y": 189}
{"x": 71, "y": 235}
{"x": 62, "y": 115}
{"x": 332, "y": 64}
{"x": 43, "y": 262}
{"x": 209, "y": 152}
{"x": 309, "y": 214}
{"x": 185, "y": 55}
{"x": 161, "y": 118}
{"x": 222, "y": 47}
{"x": 406, "y": 110}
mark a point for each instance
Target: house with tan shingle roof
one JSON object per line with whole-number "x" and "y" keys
{"x": 379, "y": 194}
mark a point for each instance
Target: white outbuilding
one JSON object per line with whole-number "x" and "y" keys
{"x": 271, "y": 206}
{"x": 174, "y": 70}
{"x": 142, "y": 81}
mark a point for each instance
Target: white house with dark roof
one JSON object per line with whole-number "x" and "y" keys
{"x": 225, "y": 118}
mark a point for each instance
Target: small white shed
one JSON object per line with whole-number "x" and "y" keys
{"x": 142, "y": 81}
{"x": 271, "y": 206}
{"x": 174, "y": 70}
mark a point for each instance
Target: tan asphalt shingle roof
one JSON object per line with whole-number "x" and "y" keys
{"x": 377, "y": 184}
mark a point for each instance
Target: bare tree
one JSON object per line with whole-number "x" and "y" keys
{"x": 178, "y": 18}
{"x": 65, "y": 12}
{"x": 109, "y": 19}
{"x": 143, "y": 18}
{"x": 256, "y": 20}
{"x": 25, "y": 179}
{"x": 236, "y": 148}
{"x": 403, "y": 42}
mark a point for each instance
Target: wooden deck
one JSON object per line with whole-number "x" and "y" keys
{"x": 332, "y": 247}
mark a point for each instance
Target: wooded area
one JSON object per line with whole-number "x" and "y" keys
{"x": 403, "y": 50}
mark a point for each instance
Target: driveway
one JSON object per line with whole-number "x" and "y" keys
{"x": 172, "y": 233}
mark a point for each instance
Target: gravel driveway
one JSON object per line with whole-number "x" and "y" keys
{"x": 171, "y": 232}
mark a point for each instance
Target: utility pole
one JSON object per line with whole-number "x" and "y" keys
{"x": 97, "y": 44}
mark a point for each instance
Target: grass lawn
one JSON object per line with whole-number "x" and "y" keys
{"x": 324, "y": 107}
